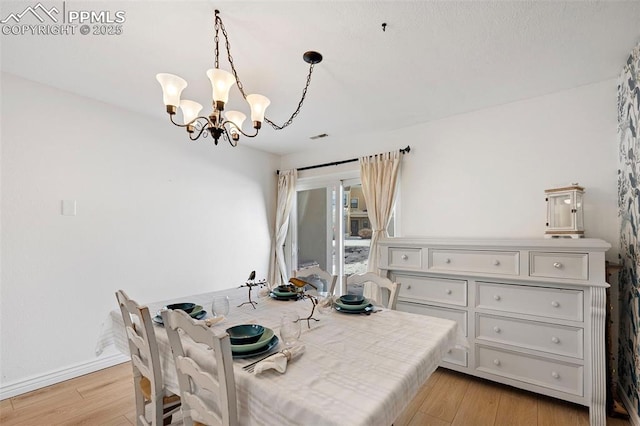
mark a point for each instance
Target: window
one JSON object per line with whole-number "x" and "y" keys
{"x": 354, "y": 203}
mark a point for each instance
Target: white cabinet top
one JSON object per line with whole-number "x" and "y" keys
{"x": 560, "y": 244}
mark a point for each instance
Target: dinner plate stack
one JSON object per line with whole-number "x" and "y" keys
{"x": 284, "y": 292}
{"x": 267, "y": 341}
{"x": 351, "y": 304}
{"x": 194, "y": 311}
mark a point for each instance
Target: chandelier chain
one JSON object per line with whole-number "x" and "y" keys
{"x": 220, "y": 25}
{"x": 216, "y": 39}
{"x": 295, "y": 113}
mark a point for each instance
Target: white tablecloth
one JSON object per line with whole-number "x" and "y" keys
{"x": 356, "y": 369}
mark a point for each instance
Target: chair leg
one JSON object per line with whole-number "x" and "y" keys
{"x": 157, "y": 411}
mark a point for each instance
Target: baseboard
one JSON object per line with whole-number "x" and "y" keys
{"x": 634, "y": 418}
{"x": 27, "y": 385}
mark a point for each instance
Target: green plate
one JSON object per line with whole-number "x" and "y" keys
{"x": 264, "y": 340}
{"x": 346, "y": 307}
{"x": 283, "y": 293}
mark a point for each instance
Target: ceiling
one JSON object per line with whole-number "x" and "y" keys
{"x": 435, "y": 58}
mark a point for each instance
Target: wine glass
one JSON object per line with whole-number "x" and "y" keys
{"x": 325, "y": 302}
{"x": 220, "y": 306}
{"x": 290, "y": 328}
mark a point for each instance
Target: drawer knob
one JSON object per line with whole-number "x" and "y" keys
{"x": 497, "y": 297}
{"x": 409, "y": 287}
{"x": 496, "y": 361}
{"x": 447, "y": 260}
{"x": 497, "y": 329}
{"x": 555, "y": 304}
{"x": 496, "y": 262}
{"x": 555, "y": 375}
{"x": 557, "y": 265}
{"x": 404, "y": 257}
{"x": 554, "y": 339}
{"x": 449, "y": 291}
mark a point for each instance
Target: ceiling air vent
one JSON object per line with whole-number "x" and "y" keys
{"x": 320, "y": 136}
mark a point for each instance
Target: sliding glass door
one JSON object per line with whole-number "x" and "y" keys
{"x": 330, "y": 228}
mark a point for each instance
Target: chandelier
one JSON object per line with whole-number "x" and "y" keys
{"x": 227, "y": 125}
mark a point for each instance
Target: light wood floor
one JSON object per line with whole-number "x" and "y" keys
{"x": 448, "y": 398}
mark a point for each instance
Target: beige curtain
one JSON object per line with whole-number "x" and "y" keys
{"x": 379, "y": 175}
{"x": 286, "y": 190}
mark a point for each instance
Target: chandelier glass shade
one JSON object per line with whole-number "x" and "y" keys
{"x": 220, "y": 123}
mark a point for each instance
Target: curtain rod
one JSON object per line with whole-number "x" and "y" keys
{"x": 335, "y": 163}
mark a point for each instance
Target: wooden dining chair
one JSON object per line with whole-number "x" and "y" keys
{"x": 208, "y": 395}
{"x": 314, "y": 273}
{"x": 374, "y": 286}
{"x": 145, "y": 359}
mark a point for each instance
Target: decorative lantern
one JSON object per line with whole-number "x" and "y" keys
{"x": 565, "y": 213}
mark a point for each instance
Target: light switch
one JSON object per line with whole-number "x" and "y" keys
{"x": 68, "y": 207}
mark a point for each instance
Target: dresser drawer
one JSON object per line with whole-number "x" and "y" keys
{"x": 400, "y": 257}
{"x": 494, "y": 262}
{"x": 452, "y": 292}
{"x": 552, "y": 338}
{"x": 456, "y": 356}
{"x": 540, "y": 301}
{"x": 559, "y": 265}
{"x": 433, "y": 311}
{"x": 560, "y": 376}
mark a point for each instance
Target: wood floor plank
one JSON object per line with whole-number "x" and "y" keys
{"x": 480, "y": 404}
{"x": 104, "y": 414}
{"x": 47, "y": 395}
{"x": 553, "y": 412}
{"x": 47, "y": 405}
{"x": 5, "y": 405}
{"x": 43, "y": 403}
{"x": 6, "y": 410}
{"x": 422, "y": 419}
{"x": 118, "y": 372}
{"x": 444, "y": 403}
{"x": 413, "y": 407}
{"x": 123, "y": 385}
{"x": 131, "y": 416}
{"x": 517, "y": 408}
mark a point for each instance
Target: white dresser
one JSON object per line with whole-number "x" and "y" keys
{"x": 532, "y": 310}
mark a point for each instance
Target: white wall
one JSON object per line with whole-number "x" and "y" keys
{"x": 157, "y": 215}
{"x": 483, "y": 174}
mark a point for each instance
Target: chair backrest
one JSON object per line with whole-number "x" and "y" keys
{"x": 374, "y": 285}
{"x": 145, "y": 358}
{"x": 217, "y": 405}
{"x": 315, "y": 274}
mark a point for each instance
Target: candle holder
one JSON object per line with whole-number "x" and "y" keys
{"x": 251, "y": 283}
{"x": 565, "y": 212}
{"x": 300, "y": 285}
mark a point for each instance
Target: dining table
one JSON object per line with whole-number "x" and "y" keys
{"x": 356, "y": 369}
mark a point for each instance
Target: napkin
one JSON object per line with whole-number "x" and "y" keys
{"x": 279, "y": 361}
{"x": 213, "y": 321}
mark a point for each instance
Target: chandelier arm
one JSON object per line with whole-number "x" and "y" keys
{"x": 297, "y": 111}
{"x": 232, "y": 142}
{"x": 200, "y": 132}
{"x": 177, "y": 124}
{"x": 192, "y": 122}
{"x": 224, "y": 123}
